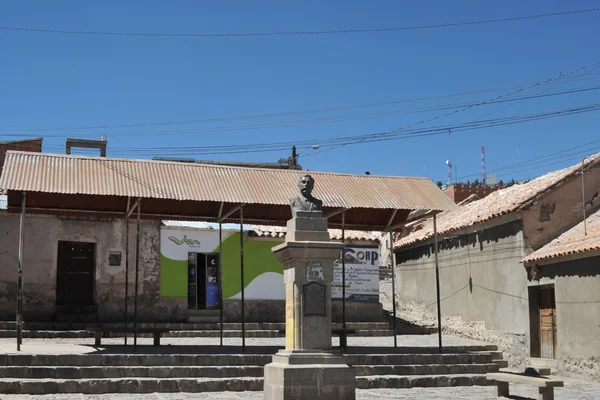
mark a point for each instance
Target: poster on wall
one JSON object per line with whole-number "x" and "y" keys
{"x": 212, "y": 280}
{"x": 263, "y": 273}
{"x": 362, "y": 275}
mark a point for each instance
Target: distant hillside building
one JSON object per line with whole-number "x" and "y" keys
{"x": 460, "y": 191}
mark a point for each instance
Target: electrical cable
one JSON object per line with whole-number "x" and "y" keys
{"x": 296, "y": 33}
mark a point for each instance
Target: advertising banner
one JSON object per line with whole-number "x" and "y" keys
{"x": 362, "y": 275}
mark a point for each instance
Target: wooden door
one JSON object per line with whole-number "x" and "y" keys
{"x": 547, "y": 321}
{"x": 75, "y": 273}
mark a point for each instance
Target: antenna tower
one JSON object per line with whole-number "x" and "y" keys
{"x": 449, "y": 165}
{"x": 483, "y": 171}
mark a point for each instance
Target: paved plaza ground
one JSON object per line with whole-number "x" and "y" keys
{"x": 574, "y": 389}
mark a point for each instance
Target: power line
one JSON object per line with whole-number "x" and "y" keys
{"x": 297, "y": 33}
{"x": 468, "y": 107}
{"x": 279, "y": 114}
{"x": 534, "y": 160}
{"x": 359, "y": 139}
{"x": 270, "y": 125}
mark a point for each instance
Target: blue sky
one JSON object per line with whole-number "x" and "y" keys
{"x": 62, "y": 81}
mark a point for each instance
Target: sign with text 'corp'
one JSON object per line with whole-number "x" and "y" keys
{"x": 362, "y": 275}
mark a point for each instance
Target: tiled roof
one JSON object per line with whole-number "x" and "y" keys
{"x": 273, "y": 231}
{"x": 496, "y": 204}
{"x": 571, "y": 242}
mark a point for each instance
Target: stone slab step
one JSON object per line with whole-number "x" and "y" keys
{"x": 128, "y": 385}
{"x": 148, "y": 360}
{"x": 501, "y": 363}
{"x": 401, "y": 382}
{"x": 71, "y": 372}
{"x": 195, "y": 385}
{"x": 417, "y": 359}
{"x": 419, "y": 369}
{"x": 228, "y": 333}
{"x": 52, "y": 326}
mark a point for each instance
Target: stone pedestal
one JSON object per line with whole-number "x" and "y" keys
{"x": 308, "y": 368}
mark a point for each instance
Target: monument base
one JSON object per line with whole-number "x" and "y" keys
{"x": 311, "y": 375}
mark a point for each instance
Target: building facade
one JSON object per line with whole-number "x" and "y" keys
{"x": 77, "y": 266}
{"x": 481, "y": 246}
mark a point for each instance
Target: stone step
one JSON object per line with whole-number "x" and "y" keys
{"x": 148, "y": 360}
{"x": 108, "y": 372}
{"x": 229, "y": 333}
{"x": 195, "y": 385}
{"x": 501, "y": 363}
{"x": 128, "y": 385}
{"x": 412, "y": 381}
{"x": 55, "y": 326}
{"x": 72, "y": 372}
{"x": 419, "y": 369}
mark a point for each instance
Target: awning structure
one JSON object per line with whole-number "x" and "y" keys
{"x": 99, "y": 186}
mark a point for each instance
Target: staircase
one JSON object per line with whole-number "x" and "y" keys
{"x": 64, "y": 330}
{"x": 149, "y": 373}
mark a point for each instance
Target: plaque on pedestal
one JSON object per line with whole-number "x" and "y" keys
{"x": 314, "y": 299}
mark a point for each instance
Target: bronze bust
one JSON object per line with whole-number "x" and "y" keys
{"x": 305, "y": 200}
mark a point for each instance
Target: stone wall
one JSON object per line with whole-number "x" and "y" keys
{"x": 40, "y": 251}
{"x": 481, "y": 278}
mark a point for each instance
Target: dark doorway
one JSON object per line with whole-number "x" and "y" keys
{"x": 75, "y": 273}
{"x": 543, "y": 321}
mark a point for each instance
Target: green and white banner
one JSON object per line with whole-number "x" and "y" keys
{"x": 263, "y": 273}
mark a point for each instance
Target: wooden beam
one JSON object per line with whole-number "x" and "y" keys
{"x": 334, "y": 212}
{"x": 391, "y": 218}
{"x": 231, "y": 212}
{"x": 130, "y": 210}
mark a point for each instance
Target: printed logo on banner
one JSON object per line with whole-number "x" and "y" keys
{"x": 185, "y": 240}
{"x": 362, "y": 256}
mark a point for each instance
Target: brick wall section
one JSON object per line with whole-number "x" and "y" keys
{"x": 459, "y": 192}
{"x": 33, "y": 145}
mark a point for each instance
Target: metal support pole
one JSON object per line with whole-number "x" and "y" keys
{"x": 583, "y": 198}
{"x": 344, "y": 277}
{"x": 127, "y": 268}
{"x": 393, "y": 288}
{"x": 137, "y": 271}
{"x": 437, "y": 282}
{"x": 242, "y": 275}
{"x": 20, "y": 274}
{"x": 221, "y": 281}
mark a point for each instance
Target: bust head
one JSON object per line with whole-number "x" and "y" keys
{"x": 305, "y": 185}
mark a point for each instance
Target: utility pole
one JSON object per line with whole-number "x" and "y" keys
{"x": 294, "y": 160}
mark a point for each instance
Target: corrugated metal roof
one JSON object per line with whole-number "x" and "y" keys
{"x": 494, "y": 205}
{"x": 571, "y": 242}
{"x": 53, "y": 173}
{"x": 3, "y": 202}
{"x": 272, "y": 231}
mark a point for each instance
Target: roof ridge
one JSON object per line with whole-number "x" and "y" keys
{"x": 426, "y": 232}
